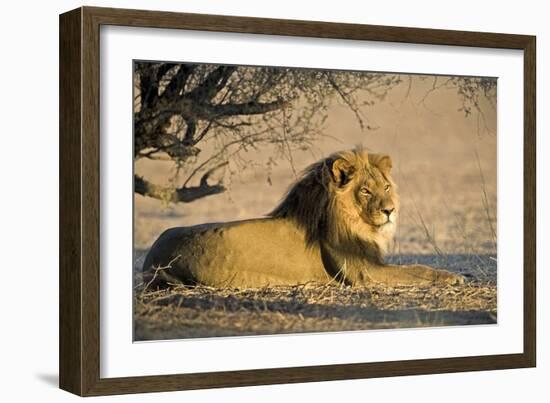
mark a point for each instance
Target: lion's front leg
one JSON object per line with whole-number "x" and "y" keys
{"x": 415, "y": 274}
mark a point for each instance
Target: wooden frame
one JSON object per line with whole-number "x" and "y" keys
{"x": 79, "y": 201}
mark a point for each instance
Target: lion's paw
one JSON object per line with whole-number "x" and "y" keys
{"x": 450, "y": 278}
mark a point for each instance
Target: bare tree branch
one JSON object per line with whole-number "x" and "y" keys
{"x": 213, "y": 84}
{"x": 183, "y": 195}
{"x": 203, "y": 117}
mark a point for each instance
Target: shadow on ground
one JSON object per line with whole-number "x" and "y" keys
{"x": 50, "y": 379}
{"x": 477, "y": 267}
{"x": 199, "y": 312}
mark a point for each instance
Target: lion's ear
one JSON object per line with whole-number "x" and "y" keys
{"x": 342, "y": 171}
{"x": 383, "y": 162}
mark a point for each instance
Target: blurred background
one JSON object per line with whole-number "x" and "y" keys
{"x": 221, "y": 163}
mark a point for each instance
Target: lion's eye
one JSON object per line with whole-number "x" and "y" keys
{"x": 365, "y": 191}
{"x": 387, "y": 188}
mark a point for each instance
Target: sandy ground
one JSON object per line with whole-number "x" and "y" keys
{"x": 205, "y": 312}
{"x": 199, "y": 312}
{"x": 445, "y": 167}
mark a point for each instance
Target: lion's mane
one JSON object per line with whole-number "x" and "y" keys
{"x": 319, "y": 208}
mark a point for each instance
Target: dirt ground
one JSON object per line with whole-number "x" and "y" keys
{"x": 206, "y": 312}
{"x": 189, "y": 312}
{"x": 446, "y": 169}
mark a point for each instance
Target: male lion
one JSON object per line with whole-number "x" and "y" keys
{"x": 334, "y": 225}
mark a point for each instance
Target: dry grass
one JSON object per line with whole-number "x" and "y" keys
{"x": 201, "y": 311}
{"x": 190, "y": 312}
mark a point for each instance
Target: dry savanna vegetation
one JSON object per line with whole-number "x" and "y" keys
{"x": 223, "y": 143}
{"x": 201, "y": 311}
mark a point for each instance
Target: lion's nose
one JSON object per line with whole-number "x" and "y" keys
{"x": 388, "y": 211}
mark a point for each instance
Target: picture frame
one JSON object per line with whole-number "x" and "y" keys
{"x": 80, "y": 199}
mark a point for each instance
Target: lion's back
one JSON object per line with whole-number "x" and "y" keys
{"x": 251, "y": 253}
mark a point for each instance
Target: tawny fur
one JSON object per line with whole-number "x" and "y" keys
{"x": 335, "y": 224}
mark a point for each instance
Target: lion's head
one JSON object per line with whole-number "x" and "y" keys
{"x": 347, "y": 200}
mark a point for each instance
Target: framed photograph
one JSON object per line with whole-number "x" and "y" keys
{"x": 250, "y": 201}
